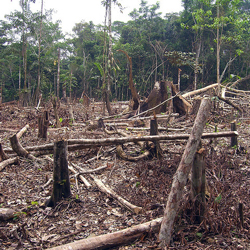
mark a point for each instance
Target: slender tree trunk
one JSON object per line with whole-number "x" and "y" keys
{"x": 218, "y": 51}
{"x": 181, "y": 175}
{"x": 58, "y": 74}
{"x": 198, "y": 50}
{"x": 39, "y": 54}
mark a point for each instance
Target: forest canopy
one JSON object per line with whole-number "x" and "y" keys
{"x": 207, "y": 42}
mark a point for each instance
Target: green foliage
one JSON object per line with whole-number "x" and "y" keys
{"x": 157, "y": 46}
{"x": 218, "y": 199}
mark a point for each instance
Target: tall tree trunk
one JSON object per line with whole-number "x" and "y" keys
{"x": 135, "y": 96}
{"x": 218, "y": 51}
{"x": 196, "y": 71}
{"x": 58, "y": 74}
{"x": 39, "y": 54}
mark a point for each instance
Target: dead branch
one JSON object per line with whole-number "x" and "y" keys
{"x": 18, "y": 148}
{"x": 7, "y": 162}
{"x": 83, "y": 179}
{"x": 134, "y": 93}
{"x": 199, "y": 91}
{"x": 230, "y": 103}
{"x": 90, "y": 171}
{"x": 126, "y": 157}
{"x": 238, "y": 81}
{"x": 107, "y": 241}
{"x": 110, "y": 192}
{"x": 22, "y": 131}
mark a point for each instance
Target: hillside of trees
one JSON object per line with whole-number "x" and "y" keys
{"x": 207, "y": 42}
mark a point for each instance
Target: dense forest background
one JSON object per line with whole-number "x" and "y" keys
{"x": 207, "y": 42}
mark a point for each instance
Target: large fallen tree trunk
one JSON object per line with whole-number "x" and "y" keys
{"x": 113, "y": 141}
{"x": 75, "y": 144}
{"x": 181, "y": 175}
{"x": 107, "y": 241}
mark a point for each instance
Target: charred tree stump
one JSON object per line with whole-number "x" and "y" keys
{"x": 181, "y": 175}
{"x": 61, "y": 184}
{"x": 156, "y": 150}
{"x": 234, "y": 142}
{"x": 43, "y": 122}
{"x": 199, "y": 184}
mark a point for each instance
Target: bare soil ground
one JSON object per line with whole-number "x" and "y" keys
{"x": 146, "y": 183}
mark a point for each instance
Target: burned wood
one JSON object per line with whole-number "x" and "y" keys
{"x": 61, "y": 184}
{"x": 43, "y": 123}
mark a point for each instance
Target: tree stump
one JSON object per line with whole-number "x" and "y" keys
{"x": 43, "y": 122}
{"x": 154, "y": 131}
{"x": 199, "y": 184}
{"x": 61, "y": 184}
{"x": 234, "y": 141}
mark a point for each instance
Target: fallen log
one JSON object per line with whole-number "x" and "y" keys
{"x": 75, "y": 144}
{"x": 7, "y": 162}
{"x": 159, "y": 129}
{"x": 18, "y": 148}
{"x": 181, "y": 175}
{"x": 142, "y": 118}
{"x": 199, "y": 91}
{"x": 107, "y": 241}
{"x": 122, "y": 140}
{"x": 110, "y": 192}
{"x": 22, "y": 131}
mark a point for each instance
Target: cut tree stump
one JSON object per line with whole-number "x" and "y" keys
{"x": 61, "y": 183}
{"x": 198, "y": 182}
{"x": 43, "y": 123}
{"x": 181, "y": 175}
{"x": 157, "y": 152}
